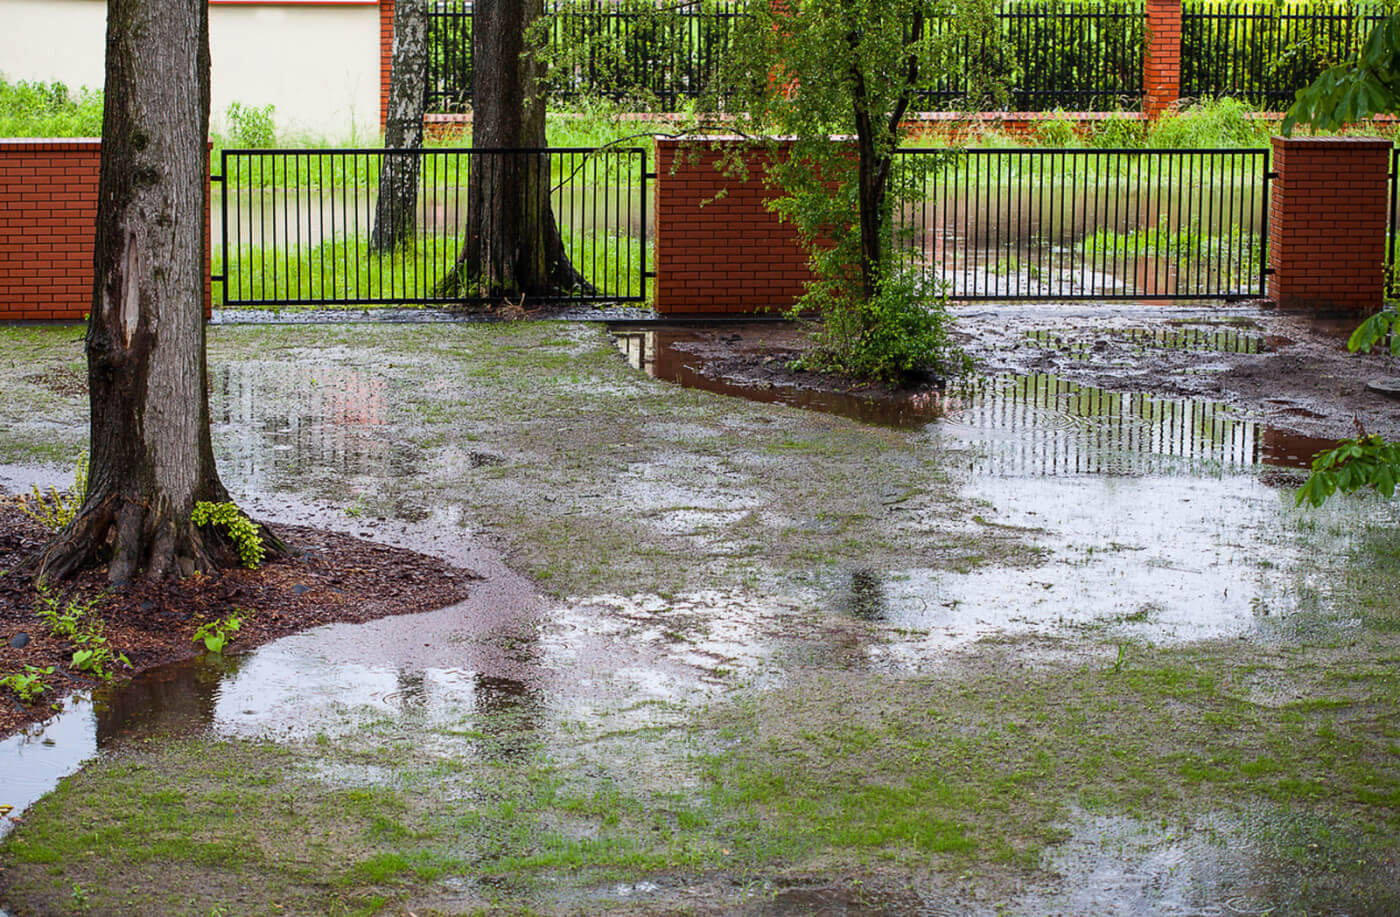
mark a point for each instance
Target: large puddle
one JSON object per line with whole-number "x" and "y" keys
{"x": 1095, "y": 480}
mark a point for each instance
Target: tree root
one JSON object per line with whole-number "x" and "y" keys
{"x": 132, "y": 538}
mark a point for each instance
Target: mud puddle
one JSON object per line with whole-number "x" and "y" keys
{"x": 1037, "y": 423}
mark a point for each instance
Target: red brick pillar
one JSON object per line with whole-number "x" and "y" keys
{"x": 1161, "y": 58}
{"x": 386, "y": 57}
{"x": 720, "y": 253}
{"x": 1327, "y": 223}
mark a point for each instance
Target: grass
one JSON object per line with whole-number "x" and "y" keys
{"x": 49, "y": 110}
{"x": 810, "y": 766}
{"x": 346, "y": 269}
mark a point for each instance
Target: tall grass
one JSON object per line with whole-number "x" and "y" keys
{"x": 49, "y": 110}
{"x": 345, "y": 268}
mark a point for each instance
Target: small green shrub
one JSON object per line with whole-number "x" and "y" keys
{"x": 900, "y": 330}
{"x": 54, "y": 510}
{"x": 241, "y": 530}
{"x": 217, "y": 634}
{"x": 74, "y": 621}
{"x": 250, "y": 127}
{"x": 49, "y": 110}
{"x": 1057, "y": 133}
{"x": 27, "y": 685}
{"x": 1217, "y": 123}
{"x": 64, "y": 620}
{"x": 1118, "y": 133}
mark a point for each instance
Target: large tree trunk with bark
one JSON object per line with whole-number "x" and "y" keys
{"x": 395, "y": 210}
{"x": 151, "y": 455}
{"x": 513, "y": 246}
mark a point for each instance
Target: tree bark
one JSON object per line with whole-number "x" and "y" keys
{"x": 512, "y": 246}
{"x": 396, "y": 209}
{"x": 151, "y": 453}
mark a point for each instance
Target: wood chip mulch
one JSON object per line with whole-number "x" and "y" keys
{"x": 326, "y": 578}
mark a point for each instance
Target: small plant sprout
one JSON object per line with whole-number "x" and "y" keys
{"x": 241, "y": 530}
{"x": 74, "y": 621}
{"x": 53, "y": 509}
{"x": 217, "y": 634}
{"x": 28, "y": 685}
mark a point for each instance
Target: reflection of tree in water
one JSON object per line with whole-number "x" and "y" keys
{"x": 867, "y": 595}
{"x": 172, "y": 700}
{"x": 279, "y": 420}
{"x": 511, "y": 713}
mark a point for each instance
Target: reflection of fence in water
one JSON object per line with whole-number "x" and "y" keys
{"x": 1044, "y": 425}
{"x": 295, "y": 226}
{"x": 1102, "y": 224}
{"x": 275, "y": 421}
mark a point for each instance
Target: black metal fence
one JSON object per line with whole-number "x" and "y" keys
{"x": 1079, "y": 55}
{"x": 658, "y": 55}
{"x": 1264, "y": 52}
{"x": 298, "y": 227}
{"x": 1040, "y": 224}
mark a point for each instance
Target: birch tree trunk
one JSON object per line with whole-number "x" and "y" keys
{"x": 395, "y": 211}
{"x": 151, "y": 454}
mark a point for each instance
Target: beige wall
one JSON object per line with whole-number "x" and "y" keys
{"x": 319, "y": 65}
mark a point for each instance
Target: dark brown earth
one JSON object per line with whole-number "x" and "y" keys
{"x": 1303, "y": 381}
{"x": 325, "y": 578}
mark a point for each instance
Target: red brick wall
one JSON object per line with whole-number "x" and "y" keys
{"x": 1327, "y": 223}
{"x": 386, "y": 57}
{"x": 48, "y": 214}
{"x": 1161, "y": 60}
{"x": 48, "y": 207}
{"x": 728, "y": 255}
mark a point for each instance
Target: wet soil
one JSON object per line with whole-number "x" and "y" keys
{"x": 1290, "y": 372}
{"x": 326, "y": 578}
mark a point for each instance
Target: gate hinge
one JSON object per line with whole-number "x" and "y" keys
{"x": 1271, "y": 176}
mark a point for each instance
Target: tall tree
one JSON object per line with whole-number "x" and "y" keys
{"x": 395, "y": 210}
{"x": 513, "y": 245}
{"x": 151, "y": 456}
{"x": 837, "y": 79}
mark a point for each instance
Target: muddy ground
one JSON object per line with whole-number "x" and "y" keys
{"x": 1288, "y": 371}
{"x": 1028, "y": 655}
{"x": 323, "y": 577}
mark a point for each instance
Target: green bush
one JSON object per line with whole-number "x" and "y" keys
{"x": 1218, "y": 123}
{"x": 49, "y": 110}
{"x": 241, "y": 530}
{"x": 250, "y": 127}
{"x": 899, "y": 331}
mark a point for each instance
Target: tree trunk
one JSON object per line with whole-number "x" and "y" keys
{"x": 151, "y": 454}
{"x": 395, "y": 211}
{"x": 513, "y": 246}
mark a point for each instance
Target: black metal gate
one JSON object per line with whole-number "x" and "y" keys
{"x": 1075, "y": 224}
{"x": 296, "y": 227}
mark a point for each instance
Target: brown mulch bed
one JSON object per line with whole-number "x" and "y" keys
{"x": 325, "y": 578}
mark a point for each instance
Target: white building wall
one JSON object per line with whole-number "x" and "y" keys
{"x": 317, "y": 63}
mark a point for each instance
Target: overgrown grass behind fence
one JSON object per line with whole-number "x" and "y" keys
{"x": 347, "y": 269}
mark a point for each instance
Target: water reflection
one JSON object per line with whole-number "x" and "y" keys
{"x": 1037, "y": 424}
{"x": 274, "y": 422}
{"x": 1217, "y": 340}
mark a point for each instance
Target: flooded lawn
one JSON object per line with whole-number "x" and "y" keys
{"x": 1023, "y": 645}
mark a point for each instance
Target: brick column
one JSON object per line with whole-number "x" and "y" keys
{"x": 1327, "y": 223}
{"x": 725, "y": 254}
{"x": 1161, "y": 58}
{"x": 386, "y": 57}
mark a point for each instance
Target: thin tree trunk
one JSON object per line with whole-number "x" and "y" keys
{"x": 395, "y": 217}
{"x": 151, "y": 454}
{"x": 513, "y": 246}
